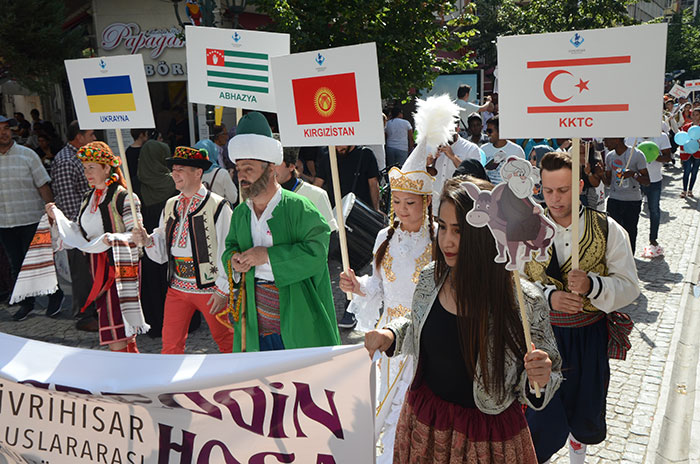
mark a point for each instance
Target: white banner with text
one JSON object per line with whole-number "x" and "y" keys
{"x": 68, "y": 405}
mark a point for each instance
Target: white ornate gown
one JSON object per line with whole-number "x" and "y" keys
{"x": 389, "y": 292}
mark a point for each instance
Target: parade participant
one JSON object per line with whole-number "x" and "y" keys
{"x": 280, "y": 241}
{"x": 582, "y": 303}
{"x": 157, "y": 187}
{"x": 401, "y": 251}
{"x": 69, "y": 186}
{"x": 472, "y": 370}
{"x": 288, "y": 177}
{"x": 447, "y": 158}
{"x": 498, "y": 150}
{"x": 104, "y": 220}
{"x": 24, "y": 189}
{"x": 625, "y": 200}
{"x": 653, "y": 190}
{"x": 690, "y": 161}
{"x": 216, "y": 178}
{"x": 190, "y": 238}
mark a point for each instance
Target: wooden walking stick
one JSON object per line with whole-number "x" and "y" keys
{"x": 243, "y": 311}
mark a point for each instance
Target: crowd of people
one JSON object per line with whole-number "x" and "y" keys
{"x": 237, "y": 229}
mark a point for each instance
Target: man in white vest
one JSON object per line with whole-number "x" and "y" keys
{"x": 191, "y": 237}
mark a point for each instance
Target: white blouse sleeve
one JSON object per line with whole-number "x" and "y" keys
{"x": 225, "y": 187}
{"x": 223, "y": 223}
{"x": 157, "y": 250}
{"x": 367, "y": 308}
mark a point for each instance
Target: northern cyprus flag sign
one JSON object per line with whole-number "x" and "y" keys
{"x": 593, "y": 83}
{"x": 231, "y": 67}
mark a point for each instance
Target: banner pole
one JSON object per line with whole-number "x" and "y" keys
{"x": 339, "y": 211}
{"x": 239, "y": 115}
{"x": 127, "y": 178}
{"x": 575, "y": 199}
{"x": 526, "y": 322}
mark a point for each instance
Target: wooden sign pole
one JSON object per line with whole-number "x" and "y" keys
{"x": 127, "y": 177}
{"x": 575, "y": 199}
{"x": 526, "y": 322}
{"x": 339, "y": 211}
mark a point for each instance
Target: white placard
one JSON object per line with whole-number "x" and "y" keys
{"x": 69, "y": 405}
{"x": 231, "y": 67}
{"x": 329, "y": 97}
{"x": 678, "y": 91}
{"x": 594, "y": 83}
{"x": 110, "y": 92}
{"x": 693, "y": 85}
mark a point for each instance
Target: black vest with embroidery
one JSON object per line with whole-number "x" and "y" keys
{"x": 592, "y": 246}
{"x": 110, "y": 209}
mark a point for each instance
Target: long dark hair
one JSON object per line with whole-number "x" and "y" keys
{"x": 483, "y": 292}
{"x": 381, "y": 251}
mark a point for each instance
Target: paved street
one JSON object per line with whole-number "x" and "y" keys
{"x": 640, "y": 386}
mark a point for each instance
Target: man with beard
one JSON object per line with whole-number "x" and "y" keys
{"x": 583, "y": 305}
{"x": 279, "y": 241}
{"x": 190, "y": 237}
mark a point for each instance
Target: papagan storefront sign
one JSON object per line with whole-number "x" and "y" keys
{"x": 133, "y": 39}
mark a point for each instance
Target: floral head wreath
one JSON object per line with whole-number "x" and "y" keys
{"x": 98, "y": 152}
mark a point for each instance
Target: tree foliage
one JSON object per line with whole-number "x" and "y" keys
{"x": 508, "y": 17}
{"x": 682, "y": 44}
{"x": 413, "y": 37}
{"x": 34, "y": 44}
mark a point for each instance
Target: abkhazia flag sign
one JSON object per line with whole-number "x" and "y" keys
{"x": 329, "y": 97}
{"x": 593, "y": 83}
{"x": 231, "y": 67}
{"x": 110, "y": 92}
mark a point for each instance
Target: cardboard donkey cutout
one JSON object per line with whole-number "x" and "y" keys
{"x": 517, "y": 223}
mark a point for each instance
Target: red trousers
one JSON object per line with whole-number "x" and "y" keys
{"x": 179, "y": 309}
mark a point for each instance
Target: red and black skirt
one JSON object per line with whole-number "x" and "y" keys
{"x": 432, "y": 430}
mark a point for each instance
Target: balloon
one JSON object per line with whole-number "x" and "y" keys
{"x": 650, "y": 150}
{"x": 694, "y": 133}
{"x": 691, "y": 147}
{"x": 681, "y": 138}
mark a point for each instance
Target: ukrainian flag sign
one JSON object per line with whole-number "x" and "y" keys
{"x": 110, "y": 92}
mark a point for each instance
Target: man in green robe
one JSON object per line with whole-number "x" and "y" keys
{"x": 280, "y": 241}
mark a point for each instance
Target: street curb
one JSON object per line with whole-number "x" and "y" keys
{"x": 653, "y": 449}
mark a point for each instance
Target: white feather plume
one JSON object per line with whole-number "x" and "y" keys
{"x": 435, "y": 119}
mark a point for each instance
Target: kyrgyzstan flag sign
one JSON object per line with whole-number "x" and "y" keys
{"x": 326, "y": 99}
{"x": 593, "y": 83}
{"x": 329, "y": 97}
